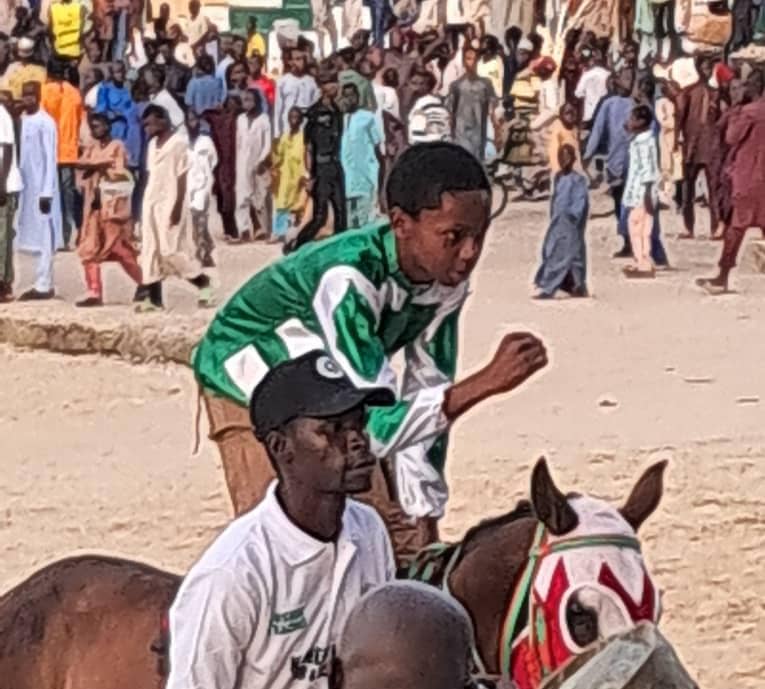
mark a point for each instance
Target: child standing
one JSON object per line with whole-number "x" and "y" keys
{"x": 253, "y": 172}
{"x": 564, "y": 252}
{"x": 202, "y": 161}
{"x": 289, "y": 168}
{"x": 640, "y": 191}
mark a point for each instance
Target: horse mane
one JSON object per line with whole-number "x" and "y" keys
{"x": 431, "y": 563}
{"x": 476, "y": 534}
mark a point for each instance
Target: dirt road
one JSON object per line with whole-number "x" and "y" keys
{"x": 96, "y": 453}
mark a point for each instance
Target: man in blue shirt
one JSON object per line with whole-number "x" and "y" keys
{"x": 205, "y": 91}
{"x": 609, "y": 130}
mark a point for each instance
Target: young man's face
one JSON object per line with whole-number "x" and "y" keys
{"x": 350, "y": 99}
{"x": 329, "y": 455}
{"x": 737, "y": 91}
{"x": 154, "y": 126}
{"x": 30, "y": 98}
{"x": 470, "y": 61}
{"x": 568, "y": 116}
{"x": 444, "y": 244}
{"x": 239, "y": 48}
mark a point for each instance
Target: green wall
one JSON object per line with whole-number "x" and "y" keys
{"x": 291, "y": 9}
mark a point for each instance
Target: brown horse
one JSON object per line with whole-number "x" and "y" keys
{"x": 95, "y": 623}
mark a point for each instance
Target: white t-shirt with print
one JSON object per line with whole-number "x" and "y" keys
{"x": 265, "y": 604}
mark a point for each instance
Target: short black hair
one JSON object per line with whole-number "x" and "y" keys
{"x": 643, "y": 113}
{"x": 100, "y": 116}
{"x": 424, "y": 172}
{"x": 352, "y": 87}
{"x": 154, "y": 110}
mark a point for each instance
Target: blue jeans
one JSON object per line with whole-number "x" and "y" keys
{"x": 380, "y": 10}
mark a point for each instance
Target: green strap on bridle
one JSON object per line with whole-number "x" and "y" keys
{"x": 536, "y": 553}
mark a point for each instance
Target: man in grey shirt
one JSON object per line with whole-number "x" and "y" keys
{"x": 470, "y": 100}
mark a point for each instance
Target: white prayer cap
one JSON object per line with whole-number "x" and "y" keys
{"x": 26, "y": 46}
{"x": 525, "y": 44}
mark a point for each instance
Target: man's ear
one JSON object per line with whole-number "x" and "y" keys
{"x": 400, "y": 221}
{"x": 279, "y": 446}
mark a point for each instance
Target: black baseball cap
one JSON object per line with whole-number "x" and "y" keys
{"x": 312, "y": 385}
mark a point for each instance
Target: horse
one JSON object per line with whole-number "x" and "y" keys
{"x": 541, "y": 583}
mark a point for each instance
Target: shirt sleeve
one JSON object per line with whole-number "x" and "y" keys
{"x": 348, "y": 308}
{"x": 211, "y": 624}
{"x": 596, "y": 135}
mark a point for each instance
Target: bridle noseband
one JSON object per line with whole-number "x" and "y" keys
{"x": 540, "y": 549}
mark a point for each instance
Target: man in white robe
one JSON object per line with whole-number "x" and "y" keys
{"x": 167, "y": 240}
{"x": 39, "y": 218}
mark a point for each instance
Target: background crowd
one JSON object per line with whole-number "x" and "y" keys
{"x": 126, "y": 129}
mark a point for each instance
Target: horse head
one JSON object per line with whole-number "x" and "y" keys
{"x": 559, "y": 575}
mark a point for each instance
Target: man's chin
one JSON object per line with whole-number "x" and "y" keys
{"x": 359, "y": 483}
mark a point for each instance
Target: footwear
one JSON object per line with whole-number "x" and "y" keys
{"x": 34, "y": 295}
{"x": 624, "y": 252}
{"x": 633, "y": 273}
{"x": 141, "y": 293}
{"x": 579, "y": 293}
{"x": 543, "y": 296}
{"x": 89, "y": 302}
{"x": 260, "y": 236}
{"x": 206, "y": 298}
{"x": 245, "y": 237}
{"x": 686, "y": 235}
{"x": 208, "y": 262}
{"x": 147, "y": 306}
{"x": 713, "y": 285}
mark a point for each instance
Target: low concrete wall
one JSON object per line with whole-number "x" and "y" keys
{"x": 136, "y": 338}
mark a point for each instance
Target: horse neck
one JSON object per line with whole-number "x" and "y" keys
{"x": 485, "y": 579}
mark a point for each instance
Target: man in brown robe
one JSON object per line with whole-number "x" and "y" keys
{"x": 746, "y": 137}
{"x": 697, "y": 115}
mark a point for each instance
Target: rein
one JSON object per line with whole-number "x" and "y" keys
{"x": 423, "y": 569}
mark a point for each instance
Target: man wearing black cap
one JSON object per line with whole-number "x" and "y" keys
{"x": 265, "y": 604}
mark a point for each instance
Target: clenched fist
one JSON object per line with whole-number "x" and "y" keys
{"x": 518, "y": 357}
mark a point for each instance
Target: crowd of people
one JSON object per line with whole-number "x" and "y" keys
{"x": 119, "y": 101}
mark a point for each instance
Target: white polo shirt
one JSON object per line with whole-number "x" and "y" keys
{"x": 265, "y": 604}
{"x": 8, "y": 136}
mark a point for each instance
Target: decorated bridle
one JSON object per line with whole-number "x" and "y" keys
{"x": 512, "y": 623}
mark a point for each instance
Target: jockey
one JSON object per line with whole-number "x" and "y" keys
{"x": 405, "y": 634}
{"x": 365, "y": 296}
{"x": 265, "y": 603}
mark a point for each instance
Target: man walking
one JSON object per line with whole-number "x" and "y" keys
{"x": 323, "y": 134}
{"x": 609, "y": 131}
{"x": 39, "y": 218}
{"x": 264, "y": 605}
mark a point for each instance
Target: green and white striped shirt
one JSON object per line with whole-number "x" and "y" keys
{"x": 348, "y": 296}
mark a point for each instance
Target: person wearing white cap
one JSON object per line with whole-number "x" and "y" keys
{"x": 24, "y": 69}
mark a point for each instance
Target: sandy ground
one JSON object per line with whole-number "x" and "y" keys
{"x": 96, "y": 454}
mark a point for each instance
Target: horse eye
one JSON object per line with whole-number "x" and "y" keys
{"x": 582, "y": 623}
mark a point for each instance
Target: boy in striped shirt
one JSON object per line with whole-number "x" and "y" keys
{"x": 364, "y": 296}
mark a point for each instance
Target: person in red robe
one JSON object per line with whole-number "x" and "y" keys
{"x": 223, "y": 132}
{"x": 745, "y": 135}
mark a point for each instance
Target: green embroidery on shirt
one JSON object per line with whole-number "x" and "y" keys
{"x": 288, "y": 622}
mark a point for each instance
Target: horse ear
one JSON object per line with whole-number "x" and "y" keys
{"x": 645, "y": 496}
{"x": 551, "y": 506}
